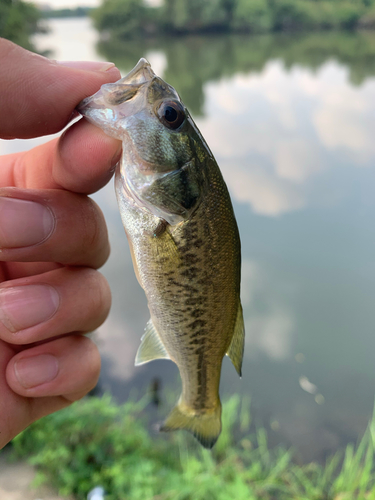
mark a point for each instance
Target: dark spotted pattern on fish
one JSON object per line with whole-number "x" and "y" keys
{"x": 193, "y": 305}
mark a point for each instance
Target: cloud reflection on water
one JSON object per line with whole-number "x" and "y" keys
{"x": 274, "y": 132}
{"x": 269, "y": 324}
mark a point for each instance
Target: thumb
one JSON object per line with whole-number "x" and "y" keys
{"x": 38, "y": 96}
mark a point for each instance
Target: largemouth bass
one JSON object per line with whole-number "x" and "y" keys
{"x": 183, "y": 238}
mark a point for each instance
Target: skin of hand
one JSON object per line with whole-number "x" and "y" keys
{"x": 53, "y": 237}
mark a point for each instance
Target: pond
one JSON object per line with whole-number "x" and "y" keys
{"x": 291, "y": 122}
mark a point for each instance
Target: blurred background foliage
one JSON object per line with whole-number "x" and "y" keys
{"x": 96, "y": 442}
{"x": 19, "y": 20}
{"x": 128, "y": 18}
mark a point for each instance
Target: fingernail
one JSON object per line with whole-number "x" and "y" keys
{"x": 25, "y": 306}
{"x": 36, "y": 370}
{"x": 24, "y": 223}
{"x": 88, "y": 65}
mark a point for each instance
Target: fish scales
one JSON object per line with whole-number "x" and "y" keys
{"x": 193, "y": 309}
{"x": 184, "y": 241}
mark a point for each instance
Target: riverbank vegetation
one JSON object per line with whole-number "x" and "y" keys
{"x": 96, "y": 442}
{"x": 19, "y": 20}
{"x": 66, "y": 12}
{"x": 131, "y": 18}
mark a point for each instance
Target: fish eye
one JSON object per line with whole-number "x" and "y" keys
{"x": 171, "y": 114}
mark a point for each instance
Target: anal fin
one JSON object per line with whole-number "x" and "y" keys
{"x": 236, "y": 348}
{"x": 151, "y": 346}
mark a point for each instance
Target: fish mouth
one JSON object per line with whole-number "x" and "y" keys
{"x": 141, "y": 73}
{"x": 112, "y": 102}
{"x": 123, "y": 89}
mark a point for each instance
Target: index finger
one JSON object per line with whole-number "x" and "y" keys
{"x": 38, "y": 96}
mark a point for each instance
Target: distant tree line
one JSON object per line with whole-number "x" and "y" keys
{"x": 19, "y": 20}
{"x": 76, "y": 12}
{"x": 129, "y": 18}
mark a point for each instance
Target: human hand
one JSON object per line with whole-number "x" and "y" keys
{"x": 52, "y": 237}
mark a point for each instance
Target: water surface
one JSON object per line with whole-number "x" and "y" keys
{"x": 291, "y": 122}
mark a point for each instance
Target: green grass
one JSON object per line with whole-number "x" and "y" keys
{"x": 96, "y": 442}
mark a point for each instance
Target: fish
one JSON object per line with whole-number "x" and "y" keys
{"x": 183, "y": 238}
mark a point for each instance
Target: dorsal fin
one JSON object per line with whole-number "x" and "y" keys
{"x": 151, "y": 346}
{"x": 236, "y": 348}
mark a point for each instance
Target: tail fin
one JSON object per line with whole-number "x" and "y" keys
{"x": 204, "y": 425}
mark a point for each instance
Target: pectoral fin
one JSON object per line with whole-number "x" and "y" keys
{"x": 151, "y": 346}
{"x": 236, "y": 348}
{"x": 175, "y": 195}
{"x": 162, "y": 245}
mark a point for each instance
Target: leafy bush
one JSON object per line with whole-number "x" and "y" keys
{"x": 126, "y": 18}
{"x": 18, "y": 21}
{"x": 367, "y": 21}
{"x": 95, "y": 442}
{"x": 291, "y": 15}
{"x": 349, "y": 14}
{"x": 180, "y": 16}
{"x": 123, "y": 18}
{"x": 252, "y": 16}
